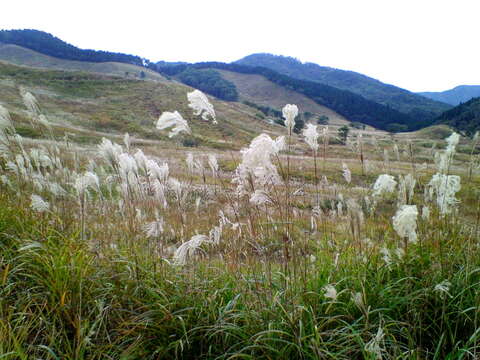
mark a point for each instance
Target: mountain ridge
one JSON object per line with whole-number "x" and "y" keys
{"x": 455, "y": 96}
{"x": 18, "y": 55}
{"x": 370, "y": 88}
{"x": 49, "y": 44}
{"x": 464, "y": 117}
{"x": 353, "y": 106}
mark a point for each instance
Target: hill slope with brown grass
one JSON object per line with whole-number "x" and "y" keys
{"x": 91, "y": 104}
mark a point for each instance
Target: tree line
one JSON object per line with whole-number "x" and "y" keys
{"x": 48, "y": 44}
{"x": 352, "y": 106}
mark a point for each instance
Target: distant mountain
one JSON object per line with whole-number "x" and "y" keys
{"x": 408, "y": 112}
{"x": 399, "y": 99}
{"x": 19, "y": 55}
{"x": 456, "y": 95}
{"x": 464, "y": 117}
{"x": 346, "y": 103}
{"x": 50, "y": 45}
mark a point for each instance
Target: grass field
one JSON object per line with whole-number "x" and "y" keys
{"x": 145, "y": 248}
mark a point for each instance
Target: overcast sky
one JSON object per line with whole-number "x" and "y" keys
{"x": 420, "y": 45}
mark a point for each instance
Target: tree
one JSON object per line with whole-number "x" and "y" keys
{"x": 323, "y": 120}
{"x": 343, "y": 133}
{"x": 299, "y": 124}
{"x": 357, "y": 125}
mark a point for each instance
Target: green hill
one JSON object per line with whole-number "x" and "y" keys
{"x": 50, "y": 45}
{"x": 91, "y": 105}
{"x": 259, "y": 90}
{"x": 349, "y": 105}
{"x": 464, "y": 117}
{"x": 455, "y": 96}
{"x": 22, "y": 56}
{"x": 399, "y": 99}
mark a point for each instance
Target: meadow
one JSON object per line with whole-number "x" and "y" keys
{"x": 295, "y": 247}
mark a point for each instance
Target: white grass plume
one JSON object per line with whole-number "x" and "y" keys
{"x": 189, "y": 248}
{"x": 374, "y": 346}
{"x": 110, "y": 151}
{"x": 86, "y": 181}
{"x": 330, "y": 292}
{"x": 213, "y": 163}
{"x": 30, "y": 102}
{"x": 5, "y": 119}
{"x": 198, "y": 101}
{"x": 444, "y": 187}
{"x": 311, "y": 136}
{"x": 347, "y": 175}
{"x": 290, "y": 111}
{"x": 405, "y": 222}
{"x": 175, "y": 121}
{"x": 38, "y": 204}
{"x": 384, "y": 184}
{"x": 154, "y": 229}
{"x": 256, "y": 168}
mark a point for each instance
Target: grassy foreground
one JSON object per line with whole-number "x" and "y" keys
{"x": 110, "y": 253}
{"x": 61, "y": 300}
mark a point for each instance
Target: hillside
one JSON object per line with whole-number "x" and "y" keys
{"x": 455, "y": 96}
{"x": 464, "y": 117}
{"x": 372, "y": 89}
{"x": 22, "y": 56}
{"x": 50, "y": 45}
{"x": 39, "y": 49}
{"x": 92, "y": 105}
{"x": 351, "y": 106}
{"x": 261, "y": 91}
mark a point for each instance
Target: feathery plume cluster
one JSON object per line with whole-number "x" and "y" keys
{"x": 126, "y": 141}
{"x": 193, "y": 164}
{"x": 443, "y": 160}
{"x": 86, "y": 181}
{"x": 175, "y": 121}
{"x": 357, "y": 299}
{"x": 405, "y": 222}
{"x": 157, "y": 172}
{"x": 256, "y": 168}
{"x": 425, "y": 213}
{"x": 42, "y": 120}
{"x": 30, "y": 102}
{"x": 5, "y": 119}
{"x": 374, "y": 346}
{"x": 109, "y": 151}
{"x": 384, "y": 184}
{"x": 289, "y": 112}
{"x": 325, "y": 134}
{"x": 38, "y": 204}
{"x": 190, "y": 163}
{"x": 154, "y": 229}
{"x": 406, "y": 188}
{"x": 189, "y": 248}
{"x": 330, "y": 292}
{"x": 311, "y": 136}
{"x": 444, "y": 187}
{"x": 260, "y": 197}
{"x": 347, "y": 175}
{"x": 213, "y": 163}
{"x": 198, "y": 101}
{"x": 452, "y": 142}
{"x": 443, "y": 288}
